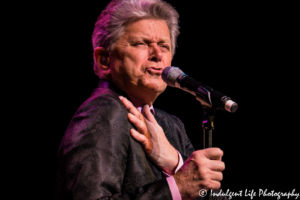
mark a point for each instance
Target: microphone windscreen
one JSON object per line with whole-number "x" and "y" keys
{"x": 170, "y": 75}
{"x": 164, "y": 74}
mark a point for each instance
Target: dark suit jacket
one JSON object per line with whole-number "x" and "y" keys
{"x": 98, "y": 158}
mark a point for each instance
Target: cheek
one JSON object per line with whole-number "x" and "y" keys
{"x": 126, "y": 70}
{"x": 168, "y": 60}
{"x": 118, "y": 72}
{"x": 134, "y": 62}
{"x": 115, "y": 67}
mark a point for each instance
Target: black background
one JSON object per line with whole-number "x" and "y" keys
{"x": 246, "y": 51}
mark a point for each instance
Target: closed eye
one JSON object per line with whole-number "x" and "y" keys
{"x": 138, "y": 43}
{"x": 165, "y": 46}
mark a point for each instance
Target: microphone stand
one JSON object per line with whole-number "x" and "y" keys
{"x": 204, "y": 97}
{"x": 207, "y": 127}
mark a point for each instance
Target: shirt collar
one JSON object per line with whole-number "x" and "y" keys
{"x": 151, "y": 109}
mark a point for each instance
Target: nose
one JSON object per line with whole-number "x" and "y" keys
{"x": 155, "y": 53}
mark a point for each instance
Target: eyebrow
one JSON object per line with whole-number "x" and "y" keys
{"x": 146, "y": 38}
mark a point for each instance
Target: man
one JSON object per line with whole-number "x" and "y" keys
{"x": 117, "y": 146}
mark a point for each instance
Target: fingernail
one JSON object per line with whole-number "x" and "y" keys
{"x": 121, "y": 98}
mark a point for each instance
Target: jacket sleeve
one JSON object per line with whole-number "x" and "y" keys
{"x": 92, "y": 156}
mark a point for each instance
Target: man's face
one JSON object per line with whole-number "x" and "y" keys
{"x": 139, "y": 57}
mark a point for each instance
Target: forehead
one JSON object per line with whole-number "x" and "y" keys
{"x": 152, "y": 29}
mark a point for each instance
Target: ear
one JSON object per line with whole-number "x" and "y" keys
{"x": 102, "y": 60}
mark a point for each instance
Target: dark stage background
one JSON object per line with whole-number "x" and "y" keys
{"x": 245, "y": 51}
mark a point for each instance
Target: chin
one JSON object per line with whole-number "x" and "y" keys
{"x": 156, "y": 87}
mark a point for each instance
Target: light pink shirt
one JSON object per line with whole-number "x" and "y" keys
{"x": 170, "y": 179}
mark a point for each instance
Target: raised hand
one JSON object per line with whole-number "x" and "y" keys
{"x": 152, "y": 138}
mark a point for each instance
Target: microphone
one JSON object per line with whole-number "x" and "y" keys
{"x": 207, "y": 96}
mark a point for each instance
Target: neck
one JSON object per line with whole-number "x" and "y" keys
{"x": 140, "y": 102}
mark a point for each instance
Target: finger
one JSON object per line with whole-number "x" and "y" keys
{"x": 214, "y": 185}
{"x": 139, "y": 137}
{"x": 147, "y": 113}
{"x": 216, "y": 165}
{"x": 212, "y": 153}
{"x": 211, "y": 184}
{"x": 130, "y": 107}
{"x": 138, "y": 123}
{"x": 216, "y": 176}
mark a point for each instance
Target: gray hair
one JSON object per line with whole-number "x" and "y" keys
{"x": 111, "y": 23}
